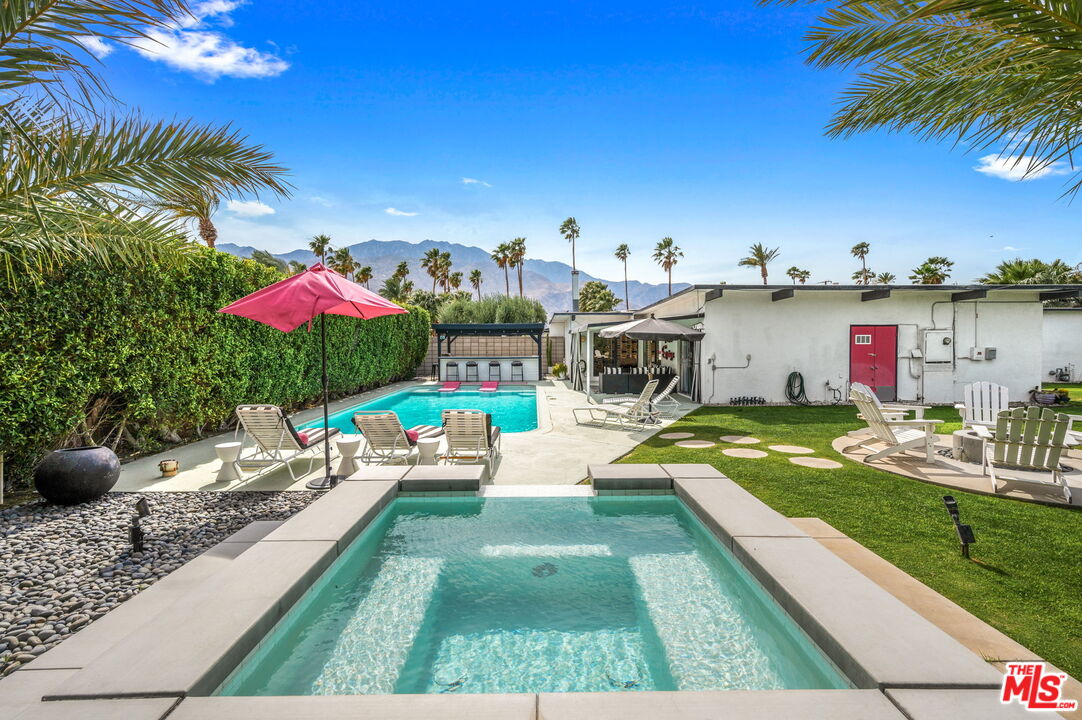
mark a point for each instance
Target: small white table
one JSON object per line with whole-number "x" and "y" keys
{"x": 427, "y": 448}
{"x": 348, "y": 445}
{"x": 228, "y": 453}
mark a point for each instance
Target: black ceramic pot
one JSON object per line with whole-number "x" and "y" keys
{"x": 76, "y": 475}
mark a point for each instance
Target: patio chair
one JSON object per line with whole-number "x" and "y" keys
{"x": 1029, "y": 439}
{"x": 637, "y": 413}
{"x": 982, "y": 403}
{"x": 663, "y": 402}
{"x": 471, "y": 371}
{"x": 897, "y": 434}
{"x": 494, "y": 371}
{"x": 896, "y": 411}
{"x": 516, "y": 371}
{"x": 386, "y": 439}
{"x": 277, "y": 442}
{"x": 470, "y": 436}
{"x": 451, "y": 371}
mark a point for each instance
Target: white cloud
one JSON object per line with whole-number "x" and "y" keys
{"x": 96, "y": 46}
{"x": 1009, "y": 248}
{"x": 319, "y": 200}
{"x": 248, "y": 208}
{"x": 474, "y": 181}
{"x": 399, "y": 213}
{"x": 1018, "y": 167}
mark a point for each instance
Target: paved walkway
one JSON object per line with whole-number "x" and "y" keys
{"x": 556, "y": 453}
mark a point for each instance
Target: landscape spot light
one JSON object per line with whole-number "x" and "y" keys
{"x": 965, "y": 532}
{"x": 135, "y": 532}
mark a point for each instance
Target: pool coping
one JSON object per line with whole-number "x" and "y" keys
{"x": 182, "y": 646}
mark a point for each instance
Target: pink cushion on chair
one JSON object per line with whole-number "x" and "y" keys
{"x": 412, "y": 435}
{"x": 303, "y": 437}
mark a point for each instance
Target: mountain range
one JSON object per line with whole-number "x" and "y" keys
{"x": 545, "y": 280}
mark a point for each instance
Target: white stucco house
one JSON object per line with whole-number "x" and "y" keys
{"x": 917, "y": 343}
{"x": 1062, "y": 332}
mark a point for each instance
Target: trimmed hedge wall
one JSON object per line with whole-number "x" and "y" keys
{"x": 127, "y": 356}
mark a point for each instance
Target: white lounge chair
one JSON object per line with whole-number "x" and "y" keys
{"x": 636, "y": 413}
{"x": 895, "y": 411}
{"x": 982, "y": 404}
{"x": 1029, "y": 439}
{"x": 470, "y": 436}
{"x": 277, "y": 442}
{"x": 896, "y": 434}
{"x": 663, "y": 402}
{"x": 385, "y": 438}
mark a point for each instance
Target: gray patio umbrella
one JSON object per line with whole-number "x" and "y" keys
{"x": 651, "y": 329}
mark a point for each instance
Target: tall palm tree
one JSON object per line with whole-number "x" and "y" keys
{"x": 985, "y": 74}
{"x": 79, "y": 182}
{"x": 296, "y": 267}
{"x": 475, "y": 281}
{"x": 431, "y": 263}
{"x": 320, "y": 245}
{"x": 759, "y": 256}
{"x": 343, "y": 263}
{"x": 622, "y": 253}
{"x": 666, "y": 255}
{"x": 455, "y": 280}
{"x": 793, "y": 273}
{"x": 885, "y": 278}
{"x": 402, "y": 270}
{"x": 569, "y": 228}
{"x": 196, "y": 204}
{"x": 860, "y": 250}
{"x": 364, "y": 275}
{"x": 502, "y": 257}
{"x": 933, "y": 271}
{"x": 518, "y": 257}
{"x": 864, "y": 276}
{"x": 444, "y": 270}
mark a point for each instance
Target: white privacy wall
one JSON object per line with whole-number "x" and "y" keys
{"x": 809, "y": 333}
{"x": 1062, "y": 341}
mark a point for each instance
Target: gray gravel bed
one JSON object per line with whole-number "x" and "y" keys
{"x": 61, "y": 568}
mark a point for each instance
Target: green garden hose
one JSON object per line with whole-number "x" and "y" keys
{"x": 794, "y": 389}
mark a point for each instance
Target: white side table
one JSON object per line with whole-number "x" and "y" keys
{"x": 426, "y": 450}
{"x": 228, "y": 453}
{"x": 348, "y": 445}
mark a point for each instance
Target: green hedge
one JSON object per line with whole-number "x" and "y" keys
{"x": 141, "y": 353}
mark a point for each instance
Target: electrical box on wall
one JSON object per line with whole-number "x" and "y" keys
{"x": 938, "y": 346}
{"x": 989, "y": 353}
{"x": 982, "y": 353}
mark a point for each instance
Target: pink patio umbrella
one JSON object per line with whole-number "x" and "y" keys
{"x": 289, "y": 303}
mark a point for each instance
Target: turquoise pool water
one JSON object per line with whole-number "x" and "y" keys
{"x": 514, "y": 410}
{"x": 503, "y": 595}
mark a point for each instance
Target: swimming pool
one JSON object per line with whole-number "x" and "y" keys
{"x": 501, "y": 595}
{"x": 514, "y": 410}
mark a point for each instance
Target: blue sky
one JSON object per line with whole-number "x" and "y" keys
{"x": 642, "y": 119}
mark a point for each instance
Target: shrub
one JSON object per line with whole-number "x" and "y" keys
{"x": 123, "y": 356}
{"x": 493, "y": 309}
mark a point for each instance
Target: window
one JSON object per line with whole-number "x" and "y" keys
{"x": 862, "y": 339}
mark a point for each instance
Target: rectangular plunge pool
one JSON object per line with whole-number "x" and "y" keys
{"x": 504, "y": 595}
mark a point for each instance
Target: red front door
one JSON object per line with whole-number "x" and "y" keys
{"x": 873, "y": 358}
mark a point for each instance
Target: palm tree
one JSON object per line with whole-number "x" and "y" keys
{"x": 885, "y": 278}
{"x": 431, "y": 263}
{"x": 1029, "y": 272}
{"x": 793, "y": 273}
{"x": 803, "y": 276}
{"x": 79, "y": 183}
{"x": 444, "y": 271}
{"x": 622, "y": 253}
{"x": 198, "y": 204}
{"x": 860, "y": 250}
{"x": 569, "y": 228}
{"x": 396, "y": 289}
{"x": 759, "y": 256}
{"x": 343, "y": 263}
{"x": 475, "y": 281}
{"x": 402, "y": 270}
{"x": 296, "y": 267}
{"x": 363, "y": 275}
{"x": 864, "y": 276}
{"x": 986, "y": 74}
{"x": 265, "y": 258}
{"x": 933, "y": 271}
{"x": 455, "y": 280}
{"x": 518, "y": 257}
{"x": 502, "y": 257}
{"x": 320, "y": 245}
{"x": 666, "y": 254}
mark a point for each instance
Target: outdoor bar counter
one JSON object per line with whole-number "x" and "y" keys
{"x": 487, "y": 368}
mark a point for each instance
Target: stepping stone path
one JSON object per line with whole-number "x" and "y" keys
{"x": 744, "y": 453}
{"x": 694, "y": 444}
{"x": 792, "y": 449}
{"x": 676, "y": 436}
{"x": 814, "y": 462}
{"x": 739, "y": 439}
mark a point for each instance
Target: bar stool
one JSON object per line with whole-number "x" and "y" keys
{"x": 494, "y": 371}
{"x": 452, "y": 371}
{"x": 516, "y": 371}
{"x": 471, "y": 372}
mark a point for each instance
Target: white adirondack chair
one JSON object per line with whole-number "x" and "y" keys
{"x": 896, "y": 411}
{"x": 1029, "y": 439}
{"x": 636, "y": 414}
{"x": 896, "y": 434}
{"x": 982, "y": 404}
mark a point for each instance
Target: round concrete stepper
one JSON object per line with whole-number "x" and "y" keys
{"x": 698, "y": 444}
{"x": 815, "y": 462}
{"x": 744, "y": 453}
{"x": 739, "y": 439}
{"x": 676, "y": 436}
{"x": 792, "y": 449}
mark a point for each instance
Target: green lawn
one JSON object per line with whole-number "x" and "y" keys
{"x": 1025, "y": 577}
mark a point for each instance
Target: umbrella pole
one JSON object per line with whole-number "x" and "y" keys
{"x": 327, "y": 481}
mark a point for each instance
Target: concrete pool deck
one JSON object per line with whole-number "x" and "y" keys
{"x": 556, "y": 452}
{"x": 163, "y": 652}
